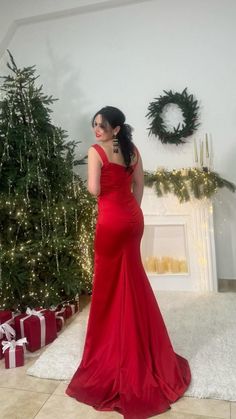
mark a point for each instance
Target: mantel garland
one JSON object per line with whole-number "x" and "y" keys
{"x": 187, "y": 183}
{"x": 189, "y": 107}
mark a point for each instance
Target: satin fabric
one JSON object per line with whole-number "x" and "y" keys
{"x": 128, "y": 364}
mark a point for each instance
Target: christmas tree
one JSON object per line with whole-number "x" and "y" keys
{"x": 47, "y": 217}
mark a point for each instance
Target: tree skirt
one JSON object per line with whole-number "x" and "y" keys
{"x": 202, "y": 328}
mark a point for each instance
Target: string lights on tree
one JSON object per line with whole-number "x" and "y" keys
{"x": 47, "y": 217}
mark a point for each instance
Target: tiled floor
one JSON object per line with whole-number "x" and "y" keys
{"x": 26, "y": 397}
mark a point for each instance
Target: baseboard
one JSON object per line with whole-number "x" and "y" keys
{"x": 227, "y": 285}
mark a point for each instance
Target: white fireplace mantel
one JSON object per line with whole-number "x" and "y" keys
{"x": 196, "y": 218}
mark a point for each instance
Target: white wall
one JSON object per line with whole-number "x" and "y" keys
{"x": 126, "y": 56}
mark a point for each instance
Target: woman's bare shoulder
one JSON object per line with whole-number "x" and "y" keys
{"x": 93, "y": 151}
{"x": 94, "y": 154}
{"x": 92, "y": 148}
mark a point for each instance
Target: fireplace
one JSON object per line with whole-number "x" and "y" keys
{"x": 178, "y": 248}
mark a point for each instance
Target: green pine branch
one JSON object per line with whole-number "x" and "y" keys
{"x": 186, "y": 183}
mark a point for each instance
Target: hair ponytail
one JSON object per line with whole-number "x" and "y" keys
{"x": 124, "y": 137}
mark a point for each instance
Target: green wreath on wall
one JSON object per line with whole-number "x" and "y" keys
{"x": 189, "y": 107}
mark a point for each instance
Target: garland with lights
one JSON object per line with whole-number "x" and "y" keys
{"x": 47, "y": 216}
{"x": 189, "y": 107}
{"x": 186, "y": 183}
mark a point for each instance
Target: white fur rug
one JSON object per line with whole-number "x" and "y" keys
{"x": 202, "y": 328}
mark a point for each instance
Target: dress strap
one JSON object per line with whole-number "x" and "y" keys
{"x": 101, "y": 153}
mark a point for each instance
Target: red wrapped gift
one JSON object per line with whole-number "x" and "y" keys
{"x": 39, "y": 327}
{"x": 60, "y": 312}
{"x": 60, "y": 323}
{"x": 75, "y": 303}
{"x": 70, "y": 310}
{"x": 60, "y": 319}
{"x": 14, "y": 352}
{"x": 5, "y": 315}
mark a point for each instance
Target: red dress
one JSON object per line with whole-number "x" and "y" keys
{"x": 128, "y": 363}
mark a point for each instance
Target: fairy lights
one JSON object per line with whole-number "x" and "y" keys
{"x": 187, "y": 183}
{"x": 47, "y": 217}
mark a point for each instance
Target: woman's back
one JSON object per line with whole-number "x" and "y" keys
{"x": 118, "y": 158}
{"x": 116, "y": 179}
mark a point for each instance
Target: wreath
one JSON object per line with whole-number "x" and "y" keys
{"x": 189, "y": 108}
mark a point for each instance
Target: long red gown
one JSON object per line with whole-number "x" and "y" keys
{"x": 128, "y": 363}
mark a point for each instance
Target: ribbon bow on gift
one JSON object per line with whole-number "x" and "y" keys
{"x": 34, "y": 312}
{"x": 7, "y": 330}
{"x": 13, "y": 343}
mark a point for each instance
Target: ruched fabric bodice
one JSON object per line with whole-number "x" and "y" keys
{"x": 115, "y": 179}
{"x": 128, "y": 363}
{"x": 116, "y": 198}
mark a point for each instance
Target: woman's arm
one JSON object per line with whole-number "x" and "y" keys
{"x": 138, "y": 181}
{"x": 94, "y": 172}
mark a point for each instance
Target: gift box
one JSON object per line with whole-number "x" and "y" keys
{"x": 70, "y": 310}
{"x": 71, "y": 307}
{"x": 39, "y": 327}
{"x": 5, "y": 315}
{"x": 75, "y": 302}
{"x": 60, "y": 323}
{"x": 59, "y": 312}
{"x": 60, "y": 317}
{"x": 13, "y": 352}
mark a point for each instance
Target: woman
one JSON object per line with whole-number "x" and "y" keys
{"x": 128, "y": 363}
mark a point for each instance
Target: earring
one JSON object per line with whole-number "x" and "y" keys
{"x": 115, "y": 144}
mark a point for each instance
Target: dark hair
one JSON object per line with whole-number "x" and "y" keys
{"x": 114, "y": 117}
